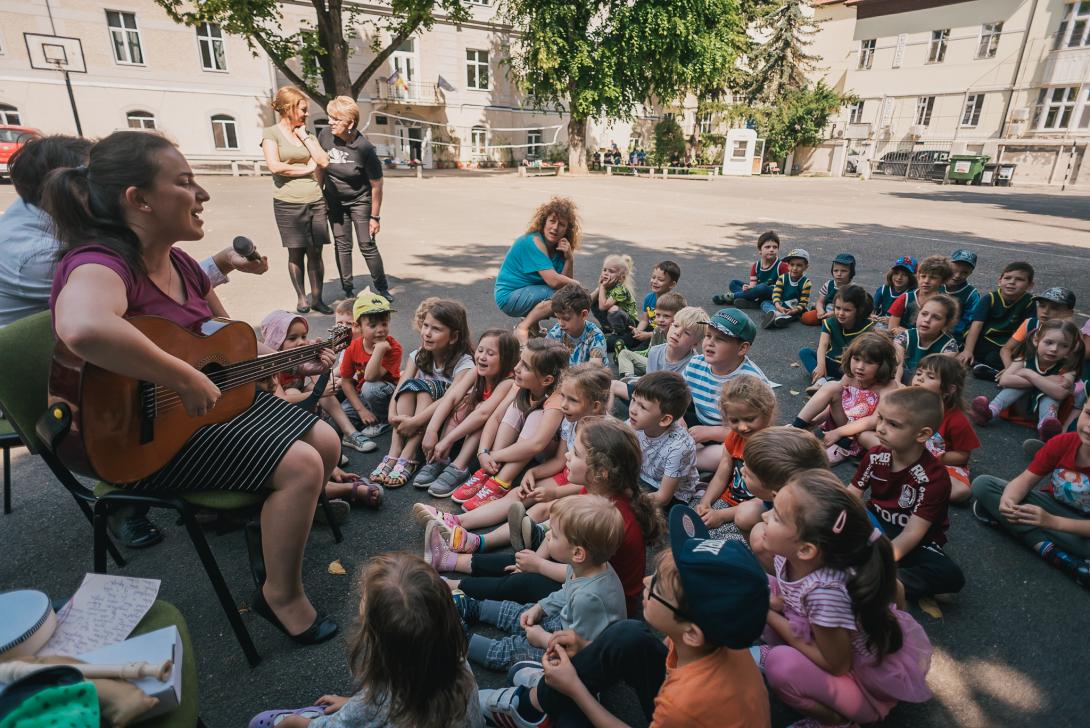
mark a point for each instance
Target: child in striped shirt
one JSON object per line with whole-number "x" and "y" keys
{"x": 791, "y": 294}
{"x": 727, "y": 338}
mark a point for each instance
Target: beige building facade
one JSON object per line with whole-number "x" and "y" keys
{"x": 1006, "y": 78}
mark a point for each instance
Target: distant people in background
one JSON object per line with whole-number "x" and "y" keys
{"x": 293, "y": 156}
{"x": 352, "y": 185}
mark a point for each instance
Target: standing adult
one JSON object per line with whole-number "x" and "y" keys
{"x": 538, "y": 263}
{"x": 352, "y": 187}
{"x": 294, "y": 156}
{"x": 118, "y": 220}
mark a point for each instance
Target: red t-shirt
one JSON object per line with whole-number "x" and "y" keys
{"x": 736, "y": 491}
{"x": 897, "y": 308}
{"x": 630, "y": 561}
{"x": 955, "y": 434}
{"x": 780, "y": 269}
{"x": 923, "y": 490}
{"x": 356, "y": 357}
{"x": 1069, "y": 483}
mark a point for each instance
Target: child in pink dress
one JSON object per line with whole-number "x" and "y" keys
{"x": 836, "y": 648}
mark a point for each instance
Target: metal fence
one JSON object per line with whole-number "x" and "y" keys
{"x": 908, "y": 160}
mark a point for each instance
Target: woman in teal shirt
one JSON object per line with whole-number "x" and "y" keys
{"x": 538, "y": 263}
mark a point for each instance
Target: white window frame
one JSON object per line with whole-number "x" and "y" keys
{"x": 970, "y": 115}
{"x": 705, "y": 123}
{"x": 143, "y": 119}
{"x": 855, "y": 112}
{"x": 10, "y": 116}
{"x": 128, "y": 37}
{"x": 940, "y": 40}
{"x": 866, "y": 53}
{"x": 479, "y": 2}
{"x": 1074, "y": 29}
{"x": 1057, "y": 102}
{"x": 478, "y": 142}
{"x": 206, "y": 39}
{"x": 224, "y": 122}
{"x": 535, "y": 143}
{"x": 988, "y": 45}
{"x": 925, "y": 107}
{"x": 478, "y": 77}
{"x": 1083, "y": 120}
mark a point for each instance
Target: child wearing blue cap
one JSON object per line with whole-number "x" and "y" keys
{"x": 963, "y": 263}
{"x": 710, "y": 598}
{"x": 843, "y": 273}
{"x": 900, "y": 279}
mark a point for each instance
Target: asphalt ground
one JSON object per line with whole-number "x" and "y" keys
{"x": 1009, "y": 650}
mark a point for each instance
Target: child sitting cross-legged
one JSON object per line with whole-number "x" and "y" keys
{"x": 1046, "y": 373}
{"x": 931, "y": 277}
{"x": 900, "y": 279}
{"x": 842, "y": 272}
{"x": 1054, "y": 521}
{"x": 656, "y": 413}
{"x": 613, "y": 301}
{"x": 846, "y": 408}
{"x": 371, "y": 366}
{"x": 402, "y": 602}
{"x": 836, "y": 648}
{"x": 791, "y": 294}
{"x": 996, "y": 317}
{"x": 709, "y": 598}
{"x": 762, "y": 276}
{"x": 685, "y": 333}
{"x": 930, "y": 335}
{"x": 459, "y": 418}
{"x": 962, "y": 265}
{"x": 728, "y": 336}
{"x": 583, "y": 338}
{"x": 910, "y": 492}
{"x": 633, "y": 363}
{"x": 955, "y": 439}
{"x": 1052, "y": 303}
{"x": 850, "y": 318}
{"x": 748, "y": 406}
{"x": 585, "y": 532}
{"x": 664, "y": 277}
{"x": 584, "y": 392}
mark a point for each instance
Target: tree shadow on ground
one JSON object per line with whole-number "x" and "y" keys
{"x": 1073, "y": 205}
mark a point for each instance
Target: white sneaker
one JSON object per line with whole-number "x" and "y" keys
{"x": 359, "y": 442}
{"x": 375, "y": 430}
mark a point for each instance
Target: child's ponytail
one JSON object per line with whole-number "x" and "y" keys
{"x": 836, "y": 522}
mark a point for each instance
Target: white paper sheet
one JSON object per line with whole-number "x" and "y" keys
{"x": 103, "y": 611}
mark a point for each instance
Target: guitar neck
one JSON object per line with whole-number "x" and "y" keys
{"x": 263, "y": 367}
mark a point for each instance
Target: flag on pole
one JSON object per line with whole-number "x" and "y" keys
{"x": 393, "y": 78}
{"x": 445, "y": 84}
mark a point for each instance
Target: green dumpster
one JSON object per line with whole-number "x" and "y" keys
{"x": 967, "y": 168}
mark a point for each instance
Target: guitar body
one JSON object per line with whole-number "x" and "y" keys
{"x": 110, "y": 437}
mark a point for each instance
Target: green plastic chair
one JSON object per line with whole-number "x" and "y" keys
{"x": 26, "y": 351}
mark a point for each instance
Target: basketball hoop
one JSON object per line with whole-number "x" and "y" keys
{"x": 58, "y": 53}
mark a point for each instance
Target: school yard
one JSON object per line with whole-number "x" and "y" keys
{"x": 1005, "y": 649}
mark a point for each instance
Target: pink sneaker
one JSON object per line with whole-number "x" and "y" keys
{"x": 490, "y": 491}
{"x": 980, "y": 411}
{"x": 425, "y": 514}
{"x": 1049, "y": 428}
{"x": 836, "y": 454}
{"x": 464, "y": 542}
{"x": 468, "y": 489}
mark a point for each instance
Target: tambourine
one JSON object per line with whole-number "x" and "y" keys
{"x": 29, "y": 622}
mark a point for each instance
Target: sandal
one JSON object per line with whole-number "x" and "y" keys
{"x": 269, "y": 718}
{"x": 371, "y": 497}
{"x": 382, "y": 470}
{"x": 400, "y": 474}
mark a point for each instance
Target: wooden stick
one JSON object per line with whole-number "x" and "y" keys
{"x": 12, "y": 671}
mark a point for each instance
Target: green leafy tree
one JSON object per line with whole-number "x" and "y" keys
{"x": 779, "y": 62}
{"x": 799, "y": 119}
{"x": 603, "y": 58}
{"x": 669, "y": 141}
{"x": 315, "y": 57}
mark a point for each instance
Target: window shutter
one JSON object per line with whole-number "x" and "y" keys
{"x": 899, "y": 54}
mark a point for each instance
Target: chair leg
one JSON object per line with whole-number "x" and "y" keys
{"x": 7, "y": 480}
{"x": 99, "y": 523}
{"x": 212, "y": 569}
{"x": 336, "y": 529}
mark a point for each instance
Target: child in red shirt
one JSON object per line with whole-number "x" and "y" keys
{"x": 372, "y": 364}
{"x": 955, "y": 439}
{"x": 910, "y": 491}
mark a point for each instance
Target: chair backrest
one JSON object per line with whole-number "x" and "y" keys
{"x": 26, "y": 354}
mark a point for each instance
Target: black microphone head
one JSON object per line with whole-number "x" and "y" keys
{"x": 243, "y": 246}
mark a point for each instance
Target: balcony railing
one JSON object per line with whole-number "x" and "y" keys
{"x": 414, "y": 93}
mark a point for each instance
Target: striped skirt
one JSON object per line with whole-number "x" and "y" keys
{"x": 240, "y": 454}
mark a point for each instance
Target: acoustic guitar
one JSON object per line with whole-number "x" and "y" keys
{"x": 121, "y": 430}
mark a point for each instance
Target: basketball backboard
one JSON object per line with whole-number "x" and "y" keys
{"x": 55, "y": 53}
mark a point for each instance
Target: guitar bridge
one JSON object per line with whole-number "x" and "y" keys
{"x": 148, "y": 410}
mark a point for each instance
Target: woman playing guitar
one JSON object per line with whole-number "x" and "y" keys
{"x": 118, "y": 220}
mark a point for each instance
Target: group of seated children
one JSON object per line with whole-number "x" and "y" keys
{"x": 558, "y": 499}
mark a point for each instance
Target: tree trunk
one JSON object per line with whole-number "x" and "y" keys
{"x": 577, "y": 145}
{"x": 334, "y": 63}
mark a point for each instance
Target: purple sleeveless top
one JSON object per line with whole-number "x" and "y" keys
{"x": 145, "y": 298}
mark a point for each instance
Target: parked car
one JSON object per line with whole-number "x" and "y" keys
{"x": 11, "y": 138}
{"x": 923, "y": 163}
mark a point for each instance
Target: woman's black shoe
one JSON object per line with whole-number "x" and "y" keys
{"x": 321, "y": 630}
{"x": 135, "y": 531}
{"x": 321, "y": 307}
{"x": 302, "y": 309}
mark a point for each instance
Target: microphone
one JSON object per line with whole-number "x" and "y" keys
{"x": 245, "y": 247}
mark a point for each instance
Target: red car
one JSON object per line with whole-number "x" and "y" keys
{"x": 11, "y": 138}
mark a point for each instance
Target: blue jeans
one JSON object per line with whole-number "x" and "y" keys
{"x": 759, "y": 292}
{"x": 522, "y": 300}
{"x": 808, "y": 357}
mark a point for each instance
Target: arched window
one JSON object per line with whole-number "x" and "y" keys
{"x": 9, "y": 115}
{"x": 140, "y": 120}
{"x": 224, "y": 132}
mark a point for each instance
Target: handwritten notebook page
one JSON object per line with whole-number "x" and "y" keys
{"x": 103, "y": 611}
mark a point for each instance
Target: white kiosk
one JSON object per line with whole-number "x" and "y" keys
{"x": 738, "y": 153}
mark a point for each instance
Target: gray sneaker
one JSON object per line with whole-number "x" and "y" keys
{"x": 375, "y": 430}
{"x": 768, "y": 319}
{"x": 359, "y": 442}
{"x": 448, "y": 481}
{"x": 524, "y": 533}
{"x": 427, "y": 474}
{"x": 1031, "y": 446}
